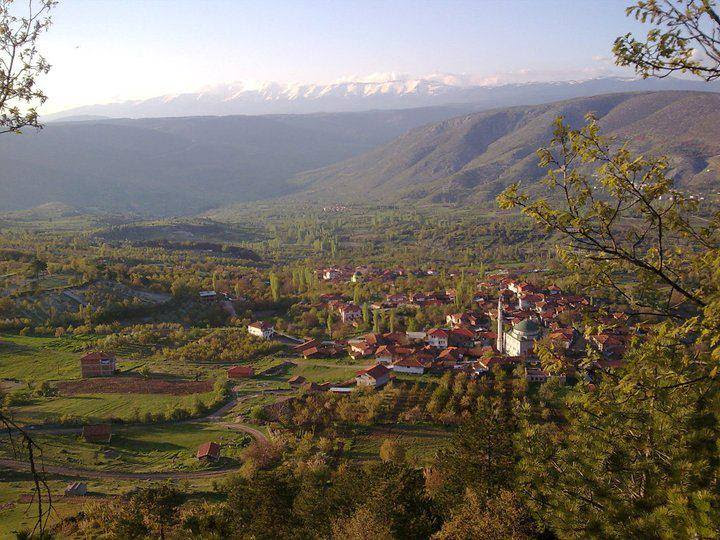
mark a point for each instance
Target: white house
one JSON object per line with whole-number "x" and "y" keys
{"x": 375, "y": 377}
{"x": 261, "y": 329}
{"x": 409, "y": 365}
{"x": 437, "y": 337}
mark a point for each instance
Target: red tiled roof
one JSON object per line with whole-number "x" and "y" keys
{"x": 208, "y": 449}
{"x": 376, "y": 371}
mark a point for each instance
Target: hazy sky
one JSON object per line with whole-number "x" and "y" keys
{"x": 109, "y": 50}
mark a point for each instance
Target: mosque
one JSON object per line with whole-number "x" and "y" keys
{"x": 521, "y": 339}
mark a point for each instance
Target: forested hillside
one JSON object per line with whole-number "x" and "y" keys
{"x": 473, "y": 157}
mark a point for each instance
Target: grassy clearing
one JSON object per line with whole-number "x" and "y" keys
{"x": 14, "y": 515}
{"x": 37, "y": 359}
{"x": 103, "y": 406}
{"x": 159, "y": 448}
{"x": 421, "y": 442}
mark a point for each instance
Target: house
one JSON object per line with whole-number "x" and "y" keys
{"x": 307, "y": 344}
{"x": 384, "y": 355}
{"x": 350, "y": 312}
{"x": 209, "y": 451}
{"x": 97, "y": 364}
{"x": 376, "y": 376}
{"x": 461, "y": 337}
{"x": 437, "y": 337}
{"x": 97, "y": 433}
{"x": 240, "y": 372}
{"x": 409, "y": 365}
{"x": 360, "y": 350}
{"x": 208, "y": 296}
{"x": 261, "y": 329}
{"x": 296, "y": 381}
{"x": 76, "y": 489}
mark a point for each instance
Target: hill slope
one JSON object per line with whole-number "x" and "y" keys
{"x": 175, "y": 166}
{"x": 474, "y": 156}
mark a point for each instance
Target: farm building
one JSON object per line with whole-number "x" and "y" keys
{"x": 209, "y": 451}
{"x": 376, "y": 376}
{"x": 208, "y": 296}
{"x": 97, "y": 433}
{"x": 97, "y": 364}
{"x": 262, "y": 329}
{"x": 409, "y": 365}
{"x": 76, "y": 488}
{"x": 296, "y": 381}
{"x": 240, "y": 372}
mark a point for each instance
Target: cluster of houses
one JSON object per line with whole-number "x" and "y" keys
{"x": 511, "y": 316}
{"x": 359, "y": 274}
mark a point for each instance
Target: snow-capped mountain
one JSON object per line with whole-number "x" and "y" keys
{"x": 396, "y": 92}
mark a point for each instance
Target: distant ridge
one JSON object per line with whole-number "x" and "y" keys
{"x": 276, "y": 98}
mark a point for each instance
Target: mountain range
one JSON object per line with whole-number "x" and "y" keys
{"x": 363, "y": 95}
{"x": 183, "y": 166}
{"x": 473, "y": 157}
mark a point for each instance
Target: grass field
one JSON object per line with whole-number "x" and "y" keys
{"x": 160, "y": 448}
{"x": 15, "y": 515}
{"x": 103, "y": 406}
{"x": 38, "y": 359}
{"x": 420, "y": 441}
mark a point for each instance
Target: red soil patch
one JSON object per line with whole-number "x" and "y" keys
{"x": 133, "y": 385}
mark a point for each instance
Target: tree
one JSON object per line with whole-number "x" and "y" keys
{"x": 685, "y": 38}
{"x": 21, "y": 63}
{"x": 392, "y": 450}
{"x": 621, "y": 215}
{"x": 158, "y": 506}
{"x": 274, "y": 286}
{"x": 501, "y": 518}
{"x": 36, "y": 267}
{"x": 634, "y": 454}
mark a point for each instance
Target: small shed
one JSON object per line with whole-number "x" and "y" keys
{"x": 209, "y": 451}
{"x": 97, "y": 433}
{"x": 76, "y": 489}
{"x": 296, "y": 381}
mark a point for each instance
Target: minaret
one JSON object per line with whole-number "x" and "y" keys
{"x": 500, "y": 329}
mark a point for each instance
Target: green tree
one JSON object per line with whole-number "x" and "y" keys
{"x": 158, "y": 506}
{"x": 274, "y": 286}
{"x": 392, "y": 450}
{"x": 36, "y": 267}
{"x": 685, "y": 37}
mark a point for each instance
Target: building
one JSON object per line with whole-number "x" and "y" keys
{"x": 409, "y": 365}
{"x": 296, "y": 381}
{"x": 76, "y": 489}
{"x": 240, "y": 372}
{"x": 437, "y": 337}
{"x": 97, "y": 364}
{"x": 261, "y": 329}
{"x": 97, "y": 433}
{"x": 350, "y": 312}
{"x": 209, "y": 451}
{"x": 208, "y": 296}
{"x": 375, "y": 377}
{"x": 521, "y": 339}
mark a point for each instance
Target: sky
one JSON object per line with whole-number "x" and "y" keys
{"x": 113, "y": 50}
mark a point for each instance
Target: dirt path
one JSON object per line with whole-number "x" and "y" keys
{"x": 175, "y": 475}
